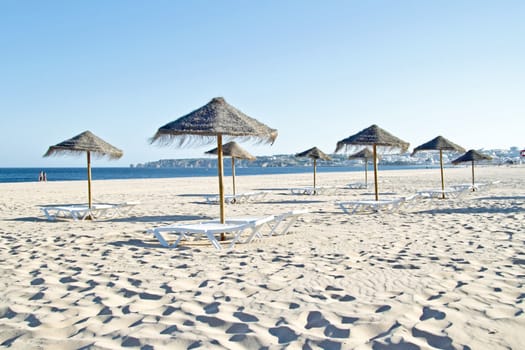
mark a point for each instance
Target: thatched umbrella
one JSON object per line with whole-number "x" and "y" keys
{"x": 442, "y": 144}
{"x": 233, "y": 150}
{"x": 88, "y": 143}
{"x": 471, "y": 156}
{"x": 365, "y": 154}
{"x": 315, "y": 154}
{"x": 210, "y": 123}
{"x": 375, "y": 137}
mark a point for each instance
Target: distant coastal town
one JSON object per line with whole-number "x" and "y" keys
{"x": 499, "y": 157}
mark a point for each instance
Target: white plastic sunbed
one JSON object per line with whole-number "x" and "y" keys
{"x": 276, "y": 225}
{"x": 285, "y": 221}
{"x": 210, "y": 229}
{"x": 357, "y": 186}
{"x": 363, "y": 206}
{"x": 238, "y": 198}
{"x": 83, "y": 211}
{"x": 236, "y": 227}
{"x": 310, "y": 190}
{"x": 474, "y": 187}
{"x": 449, "y": 192}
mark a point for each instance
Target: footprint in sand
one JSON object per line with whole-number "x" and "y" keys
{"x": 149, "y": 296}
{"x": 212, "y": 308}
{"x": 244, "y": 317}
{"x": 315, "y": 319}
{"x": 130, "y": 342}
{"x": 349, "y": 320}
{"x": 284, "y": 334}
{"x": 37, "y": 296}
{"x": 437, "y": 341}
{"x": 294, "y": 306}
{"x": 431, "y": 313}
{"x": 383, "y": 308}
{"x": 434, "y": 297}
{"x": 169, "y": 310}
{"x": 170, "y": 330}
{"x": 211, "y": 321}
{"x": 9, "y": 314}
{"x": 334, "y": 332}
{"x": 32, "y": 321}
{"x": 37, "y": 281}
{"x": 239, "y": 331}
{"x": 402, "y": 345}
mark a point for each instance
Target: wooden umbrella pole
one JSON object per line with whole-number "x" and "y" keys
{"x": 221, "y": 174}
{"x": 473, "y": 182}
{"x": 375, "y": 171}
{"x": 366, "y": 172}
{"x": 315, "y": 169}
{"x": 221, "y": 183}
{"x": 442, "y": 178}
{"x": 89, "y": 178}
{"x": 233, "y": 175}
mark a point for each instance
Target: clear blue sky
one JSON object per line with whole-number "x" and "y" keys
{"x": 318, "y": 71}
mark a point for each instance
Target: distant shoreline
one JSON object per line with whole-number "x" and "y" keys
{"x": 22, "y": 175}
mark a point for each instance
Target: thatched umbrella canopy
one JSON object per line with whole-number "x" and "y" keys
{"x": 88, "y": 143}
{"x": 233, "y": 150}
{"x": 471, "y": 156}
{"x": 377, "y": 138}
{"x": 315, "y": 154}
{"x": 440, "y": 144}
{"x": 210, "y": 123}
{"x": 365, "y": 154}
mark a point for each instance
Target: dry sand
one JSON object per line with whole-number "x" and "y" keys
{"x": 443, "y": 274}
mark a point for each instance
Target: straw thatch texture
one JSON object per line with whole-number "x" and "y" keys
{"x": 365, "y": 153}
{"x": 85, "y": 142}
{"x": 471, "y": 156}
{"x": 314, "y": 153}
{"x": 232, "y": 149}
{"x": 373, "y": 135}
{"x": 439, "y": 143}
{"x": 215, "y": 118}
{"x": 380, "y": 140}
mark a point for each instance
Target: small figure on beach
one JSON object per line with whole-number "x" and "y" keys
{"x": 42, "y": 177}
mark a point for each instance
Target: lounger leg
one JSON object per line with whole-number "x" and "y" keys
{"x": 161, "y": 239}
{"x": 48, "y": 215}
{"x": 165, "y": 243}
{"x": 76, "y": 215}
{"x": 289, "y": 225}
{"x": 254, "y": 233}
{"x": 344, "y": 208}
{"x": 214, "y": 241}
{"x": 274, "y": 227}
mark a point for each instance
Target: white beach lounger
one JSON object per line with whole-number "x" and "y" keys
{"x": 82, "y": 211}
{"x": 310, "y": 190}
{"x": 365, "y": 206}
{"x": 75, "y": 212}
{"x": 238, "y": 198}
{"x": 357, "y": 186}
{"x": 411, "y": 201}
{"x": 236, "y": 228}
{"x": 450, "y": 192}
{"x": 283, "y": 222}
{"x": 476, "y": 187}
{"x": 276, "y": 225}
{"x": 257, "y": 222}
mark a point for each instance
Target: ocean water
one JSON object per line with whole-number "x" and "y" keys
{"x": 71, "y": 174}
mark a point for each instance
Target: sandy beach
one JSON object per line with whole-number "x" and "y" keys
{"x": 439, "y": 274}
